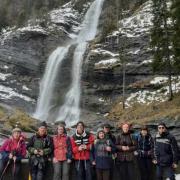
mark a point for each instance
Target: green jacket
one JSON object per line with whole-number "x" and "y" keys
{"x": 44, "y": 143}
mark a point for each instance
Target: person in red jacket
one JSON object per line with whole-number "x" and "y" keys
{"x": 62, "y": 154}
{"x": 81, "y": 146}
{"x": 12, "y": 151}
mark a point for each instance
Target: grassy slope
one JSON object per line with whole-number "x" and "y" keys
{"x": 141, "y": 113}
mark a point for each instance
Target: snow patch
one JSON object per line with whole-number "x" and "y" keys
{"x": 4, "y": 76}
{"x": 104, "y": 52}
{"x": 25, "y": 88}
{"x": 107, "y": 62}
{"x": 8, "y": 93}
{"x": 159, "y": 80}
{"x": 146, "y": 62}
{"x": 137, "y": 24}
{"x": 160, "y": 95}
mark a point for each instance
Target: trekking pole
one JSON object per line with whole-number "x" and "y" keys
{"x": 4, "y": 171}
{"x": 14, "y": 168}
{"x": 79, "y": 161}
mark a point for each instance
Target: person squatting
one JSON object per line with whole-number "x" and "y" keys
{"x": 103, "y": 152}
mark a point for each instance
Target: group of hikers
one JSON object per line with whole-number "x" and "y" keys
{"x": 103, "y": 152}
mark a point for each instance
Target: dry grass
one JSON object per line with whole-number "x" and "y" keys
{"x": 24, "y": 121}
{"x": 141, "y": 113}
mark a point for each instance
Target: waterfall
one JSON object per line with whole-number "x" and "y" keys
{"x": 48, "y": 82}
{"x": 70, "y": 111}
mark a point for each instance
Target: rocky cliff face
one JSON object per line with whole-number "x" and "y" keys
{"x": 103, "y": 75}
{"x": 24, "y": 52}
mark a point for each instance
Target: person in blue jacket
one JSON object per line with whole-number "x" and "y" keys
{"x": 102, "y": 151}
{"x": 165, "y": 153}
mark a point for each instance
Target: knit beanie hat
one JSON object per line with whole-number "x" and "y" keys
{"x": 99, "y": 130}
{"x": 16, "y": 129}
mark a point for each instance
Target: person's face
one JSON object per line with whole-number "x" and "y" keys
{"x": 16, "y": 135}
{"x": 125, "y": 128}
{"x": 80, "y": 128}
{"x": 42, "y": 131}
{"x": 101, "y": 135}
{"x": 60, "y": 130}
{"x": 161, "y": 129}
{"x": 106, "y": 129}
{"x": 144, "y": 132}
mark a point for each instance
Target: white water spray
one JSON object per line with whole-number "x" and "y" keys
{"x": 48, "y": 82}
{"x": 70, "y": 111}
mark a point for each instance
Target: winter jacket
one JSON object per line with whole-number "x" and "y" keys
{"x": 62, "y": 147}
{"x": 145, "y": 146}
{"x": 165, "y": 149}
{"x": 102, "y": 158}
{"x": 111, "y": 137}
{"x": 17, "y": 148}
{"x": 87, "y": 139}
{"x": 125, "y": 140}
{"x": 44, "y": 143}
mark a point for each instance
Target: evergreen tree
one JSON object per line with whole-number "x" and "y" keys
{"x": 161, "y": 41}
{"x": 175, "y": 10}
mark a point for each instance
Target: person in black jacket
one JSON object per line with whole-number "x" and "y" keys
{"x": 165, "y": 153}
{"x": 145, "y": 153}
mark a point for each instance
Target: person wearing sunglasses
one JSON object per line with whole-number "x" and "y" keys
{"x": 165, "y": 153}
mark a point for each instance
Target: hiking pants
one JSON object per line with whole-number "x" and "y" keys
{"x": 126, "y": 170}
{"x": 164, "y": 171}
{"x": 145, "y": 168}
{"x": 103, "y": 174}
{"x": 61, "y": 170}
{"x": 83, "y": 170}
{"x": 15, "y": 169}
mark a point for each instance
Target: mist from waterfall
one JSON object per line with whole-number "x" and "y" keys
{"x": 47, "y": 83}
{"x": 70, "y": 111}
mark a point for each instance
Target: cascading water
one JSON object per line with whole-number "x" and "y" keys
{"x": 70, "y": 111}
{"x": 48, "y": 83}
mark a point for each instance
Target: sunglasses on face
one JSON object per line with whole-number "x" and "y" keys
{"x": 161, "y": 127}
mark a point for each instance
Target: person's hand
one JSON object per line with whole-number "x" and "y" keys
{"x": 10, "y": 156}
{"x": 93, "y": 163}
{"x": 41, "y": 152}
{"x": 174, "y": 165}
{"x": 84, "y": 147}
{"x": 55, "y": 160}
{"x": 35, "y": 151}
{"x": 154, "y": 161}
{"x": 14, "y": 158}
{"x": 80, "y": 148}
{"x": 125, "y": 148}
{"x": 69, "y": 161}
{"x": 108, "y": 148}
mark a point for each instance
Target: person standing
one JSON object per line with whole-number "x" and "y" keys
{"x": 62, "y": 154}
{"x": 145, "y": 153}
{"x": 12, "y": 151}
{"x": 81, "y": 145}
{"x": 109, "y": 136}
{"x": 102, "y": 155}
{"x": 126, "y": 146}
{"x": 165, "y": 153}
{"x": 40, "y": 148}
